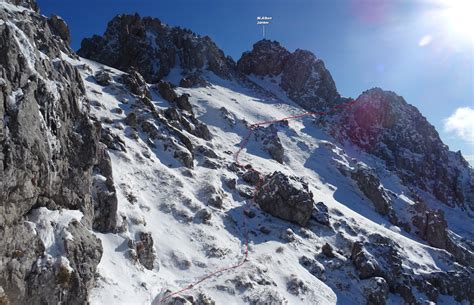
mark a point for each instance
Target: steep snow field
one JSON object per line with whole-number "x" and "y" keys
{"x": 158, "y": 195}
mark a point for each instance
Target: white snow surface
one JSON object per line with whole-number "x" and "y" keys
{"x": 167, "y": 197}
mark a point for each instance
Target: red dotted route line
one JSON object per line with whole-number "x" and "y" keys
{"x": 259, "y": 183}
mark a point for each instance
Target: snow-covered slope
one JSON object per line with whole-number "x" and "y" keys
{"x": 196, "y": 218}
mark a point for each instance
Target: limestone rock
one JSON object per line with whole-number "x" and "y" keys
{"x": 136, "y": 83}
{"x": 370, "y": 185}
{"x": 385, "y": 125}
{"x": 103, "y": 78}
{"x": 285, "y": 197}
{"x": 304, "y": 78}
{"x": 145, "y": 250}
{"x": 266, "y": 58}
{"x": 166, "y": 91}
{"x": 268, "y": 136}
{"x": 59, "y": 27}
{"x": 321, "y": 214}
{"x": 376, "y": 291}
{"x": 154, "y": 48}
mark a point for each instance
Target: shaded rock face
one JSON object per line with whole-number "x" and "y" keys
{"x": 369, "y": 184}
{"x": 105, "y": 195}
{"x": 285, "y": 197}
{"x": 303, "y": 77}
{"x": 136, "y": 83}
{"x": 271, "y": 142}
{"x": 60, "y": 28}
{"x": 431, "y": 226}
{"x": 266, "y": 58}
{"x": 383, "y": 124}
{"x": 321, "y": 214}
{"x": 307, "y": 82}
{"x": 193, "y": 80}
{"x": 165, "y": 89}
{"x": 381, "y": 258}
{"x": 154, "y": 48}
{"x": 376, "y": 291}
{"x": 49, "y": 151}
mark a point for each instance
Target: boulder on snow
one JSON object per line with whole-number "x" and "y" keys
{"x": 327, "y": 250}
{"x": 102, "y": 77}
{"x": 285, "y": 197}
{"x": 251, "y": 176}
{"x": 145, "y": 250}
{"x": 295, "y": 285}
{"x": 131, "y": 119}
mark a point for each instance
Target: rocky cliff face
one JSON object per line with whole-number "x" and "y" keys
{"x": 154, "y": 48}
{"x": 49, "y": 150}
{"x": 300, "y": 74}
{"x": 383, "y": 124}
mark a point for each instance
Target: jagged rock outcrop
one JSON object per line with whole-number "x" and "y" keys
{"x": 370, "y": 185}
{"x": 266, "y": 58}
{"x": 136, "y": 83}
{"x": 270, "y": 140}
{"x": 285, "y": 197}
{"x": 105, "y": 195}
{"x": 67, "y": 278}
{"x": 168, "y": 127}
{"x": 321, "y": 214}
{"x": 381, "y": 257}
{"x": 31, "y": 4}
{"x": 307, "y": 82}
{"x": 165, "y": 89}
{"x": 383, "y": 124}
{"x": 376, "y": 291}
{"x": 49, "y": 150}
{"x": 304, "y": 78}
{"x": 154, "y": 48}
{"x": 59, "y": 27}
{"x": 145, "y": 250}
{"x": 432, "y": 226}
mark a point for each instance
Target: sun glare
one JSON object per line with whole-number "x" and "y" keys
{"x": 460, "y": 18}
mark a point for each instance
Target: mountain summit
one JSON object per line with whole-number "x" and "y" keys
{"x": 300, "y": 74}
{"x": 154, "y": 48}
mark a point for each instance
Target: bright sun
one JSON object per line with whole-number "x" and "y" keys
{"x": 459, "y": 16}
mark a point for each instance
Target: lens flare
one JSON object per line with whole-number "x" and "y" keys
{"x": 459, "y": 16}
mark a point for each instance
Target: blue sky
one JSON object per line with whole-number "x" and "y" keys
{"x": 423, "y": 50}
